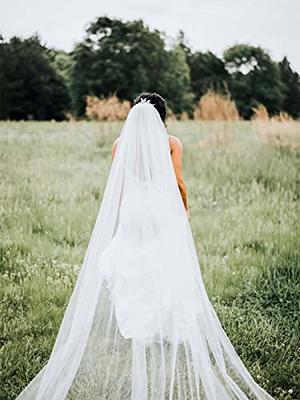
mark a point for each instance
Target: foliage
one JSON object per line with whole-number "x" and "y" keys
{"x": 175, "y": 84}
{"x": 255, "y": 79}
{"x": 291, "y": 80}
{"x": 62, "y": 63}
{"x": 207, "y": 73}
{"x": 125, "y": 58}
{"x": 30, "y": 87}
{"x": 244, "y": 203}
{"x": 116, "y": 57}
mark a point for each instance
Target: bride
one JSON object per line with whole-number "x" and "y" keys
{"x": 139, "y": 324}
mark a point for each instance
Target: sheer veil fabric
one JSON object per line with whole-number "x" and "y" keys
{"x": 139, "y": 324}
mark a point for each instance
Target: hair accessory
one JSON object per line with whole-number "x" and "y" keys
{"x": 143, "y": 100}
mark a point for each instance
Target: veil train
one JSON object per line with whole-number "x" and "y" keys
{"x": 139, "y": 324}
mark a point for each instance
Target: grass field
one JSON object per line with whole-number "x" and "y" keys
{"x": 244, "y": 193}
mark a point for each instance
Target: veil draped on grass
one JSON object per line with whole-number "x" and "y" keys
{"x": 139, "y": 324}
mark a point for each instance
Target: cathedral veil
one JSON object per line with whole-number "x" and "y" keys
{"x": 139, "y": 324}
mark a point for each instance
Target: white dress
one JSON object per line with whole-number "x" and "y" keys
{"x": 148, "y": 286}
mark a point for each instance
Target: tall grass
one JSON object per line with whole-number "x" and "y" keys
{"x": 277, "y": 131}
{"x": 216, "y": 107}
{"x": 260, "y": 113}
{"x": 244, "y": 198}
{"x": 106, "y": 109}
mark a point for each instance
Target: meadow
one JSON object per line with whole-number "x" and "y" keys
{"x": 243, "y": 192}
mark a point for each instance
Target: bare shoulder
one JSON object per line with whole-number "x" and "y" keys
{"x": 175, "y": 143}
{"x": 116, "y": 141}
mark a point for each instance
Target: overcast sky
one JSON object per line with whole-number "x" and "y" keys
{"x": 208, "y": 24}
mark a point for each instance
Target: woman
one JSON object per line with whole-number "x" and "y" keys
{"x": 139, "y": 324}
{"x": 174, "y": 143}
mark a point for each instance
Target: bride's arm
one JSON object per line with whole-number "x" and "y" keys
{"x": 113, "y": 150}
{"x": 176, "y": 154}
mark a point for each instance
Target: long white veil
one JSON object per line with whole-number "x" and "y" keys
{"x": 139, "y": 324}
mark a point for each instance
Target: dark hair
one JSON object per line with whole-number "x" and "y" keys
{"x": 158, "y": 102}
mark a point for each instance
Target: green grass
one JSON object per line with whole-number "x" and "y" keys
{"x": 244, "y": 201}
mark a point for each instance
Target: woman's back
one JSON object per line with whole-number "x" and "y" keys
{"x": 176, "y": 151}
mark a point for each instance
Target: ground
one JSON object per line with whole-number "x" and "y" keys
{"x": 243, "y": 192}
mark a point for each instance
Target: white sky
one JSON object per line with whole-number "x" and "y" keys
{"x": 208, "y": 24}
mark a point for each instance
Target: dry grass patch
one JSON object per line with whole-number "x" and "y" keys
{"x": 109, "y": 109}
{"x": 216, "y": 107}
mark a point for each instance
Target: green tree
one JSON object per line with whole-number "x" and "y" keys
{"x": 62, "y": 63}
{"x": 116, "y": 57}
{"x": 255, "y": 78}
{"x": 183, "y": 43}
{"x": 175, "y": 83}
{"x": 291, "y": 82}
{"x": 30, "y": 88}
{"x": 207, "y": 72}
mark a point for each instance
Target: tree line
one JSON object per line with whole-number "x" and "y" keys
{"x": 124, "y": 58}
